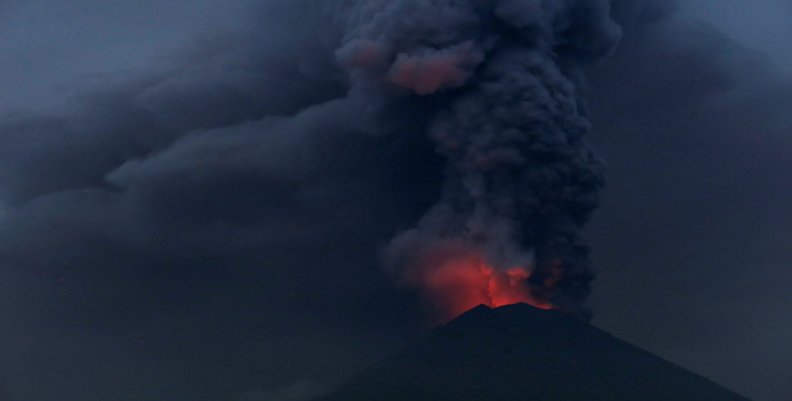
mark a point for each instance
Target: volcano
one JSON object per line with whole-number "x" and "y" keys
{"x": 522, "y": 353}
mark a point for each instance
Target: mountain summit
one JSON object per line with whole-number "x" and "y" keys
{"x": 521, "y": 353}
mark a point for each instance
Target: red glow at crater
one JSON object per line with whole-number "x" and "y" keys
{"x": 454, "y": 282}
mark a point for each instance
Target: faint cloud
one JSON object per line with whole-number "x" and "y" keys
{"x": 303, "y": 390}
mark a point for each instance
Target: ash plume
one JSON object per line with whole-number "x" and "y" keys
{"x": 498, "y": 83}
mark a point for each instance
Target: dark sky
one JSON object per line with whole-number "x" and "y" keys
{"x": 179, "y": 222}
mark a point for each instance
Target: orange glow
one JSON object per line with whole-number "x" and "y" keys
{"x": 455, "y": 282}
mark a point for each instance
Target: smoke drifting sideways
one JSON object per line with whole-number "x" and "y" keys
{"x": 499, "y": 83}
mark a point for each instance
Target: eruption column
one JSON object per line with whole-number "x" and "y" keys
{"x": 499, "y": 78}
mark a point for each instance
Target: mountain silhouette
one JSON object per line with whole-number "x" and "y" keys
{"x": 521, "y": 353}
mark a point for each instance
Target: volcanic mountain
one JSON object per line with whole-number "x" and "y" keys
{"x": 521, "y": 353}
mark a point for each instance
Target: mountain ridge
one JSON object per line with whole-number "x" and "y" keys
{"x": 521, "y": 353}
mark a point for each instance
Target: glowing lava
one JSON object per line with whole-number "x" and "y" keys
{"x": 454, "y": 282}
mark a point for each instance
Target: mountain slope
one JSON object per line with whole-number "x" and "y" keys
{"x": 520, "y": 353}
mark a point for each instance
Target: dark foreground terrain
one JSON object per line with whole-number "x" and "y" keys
{"x": 520, "y": 353}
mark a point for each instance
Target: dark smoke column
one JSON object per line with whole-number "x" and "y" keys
{"x": 521, "y": 181}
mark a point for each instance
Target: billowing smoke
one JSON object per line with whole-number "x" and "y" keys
{"x": 496, "y": 81}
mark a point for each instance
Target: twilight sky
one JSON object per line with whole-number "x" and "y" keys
{"x": 155, "y": 245}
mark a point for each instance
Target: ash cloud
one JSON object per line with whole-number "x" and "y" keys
{"x": 520, "y": 180}
{"x": 167, "y": 223}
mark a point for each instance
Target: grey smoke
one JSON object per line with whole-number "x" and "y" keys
{"x": 499, "y": 81}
